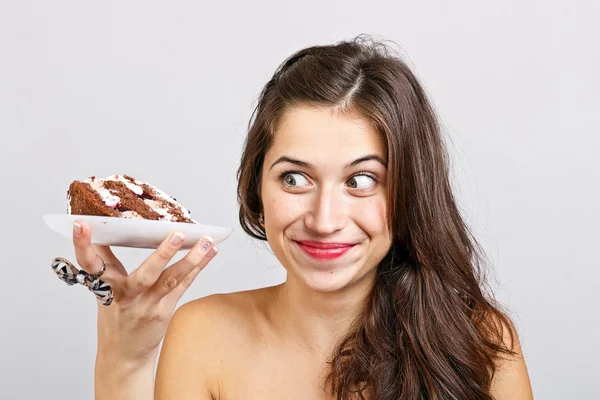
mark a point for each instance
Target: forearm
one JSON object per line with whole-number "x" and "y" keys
{"x": 114, "y": 380}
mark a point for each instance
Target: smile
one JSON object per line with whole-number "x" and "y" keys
{"x": 324, "y": 253}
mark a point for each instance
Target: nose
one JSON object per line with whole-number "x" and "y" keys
{"x": 327, "y": 212}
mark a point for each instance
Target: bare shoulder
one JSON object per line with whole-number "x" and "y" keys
{"x": 224, "y": 315}
{"x": 200, "y": 336}
{"x": 511, "y": 380}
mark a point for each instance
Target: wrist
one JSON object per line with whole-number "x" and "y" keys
{"x": 107, "y": 362}
{"x": 114, "y": 354}
{"x": 116, "y": 378}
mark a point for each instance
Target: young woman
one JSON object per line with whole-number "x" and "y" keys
{"x": 345, "y": 174}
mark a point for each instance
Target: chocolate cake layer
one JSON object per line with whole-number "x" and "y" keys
{"x": 87, "y": 201}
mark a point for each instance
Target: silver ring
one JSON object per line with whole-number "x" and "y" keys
{"x": 93, "y": 277}
{"x": 70, "y": 274}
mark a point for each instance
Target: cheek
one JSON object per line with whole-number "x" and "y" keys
{"x": 372, "y": 218}
{"x": 280, "y": 211}
{"x": 374, "y": 223}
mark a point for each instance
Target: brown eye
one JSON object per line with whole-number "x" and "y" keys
{"x": 361, "y": 180}
{"x": 291, "y": 179}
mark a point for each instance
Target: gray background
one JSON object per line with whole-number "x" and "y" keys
{"x": 163, "y": 91}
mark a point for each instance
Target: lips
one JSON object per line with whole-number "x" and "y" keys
{"x": 324, "y": 245}
{"x": 324, "y": 251}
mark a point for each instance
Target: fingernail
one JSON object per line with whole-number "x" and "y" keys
{"x": 212, "y": 252}
{"x": 177, "y": 239}
{"x": 205, "y": 243}
{"x": 76, "y": 229}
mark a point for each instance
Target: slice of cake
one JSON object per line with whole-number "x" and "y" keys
{"x": 124, "y": 197}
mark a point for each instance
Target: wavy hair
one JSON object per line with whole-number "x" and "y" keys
{"x": 428, "y": 329}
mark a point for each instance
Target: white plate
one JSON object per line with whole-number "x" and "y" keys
{"x": 140, "y": 233}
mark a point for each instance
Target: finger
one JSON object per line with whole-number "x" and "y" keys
{"x": 172, "y": 277}
{"x": 171, "y": 299}
{"x": 107, "y": 254}
{"x": 148, "y": 272}
{"x": 86, "y": 256}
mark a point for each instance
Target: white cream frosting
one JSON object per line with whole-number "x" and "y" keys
{"x": 131, "y": 214}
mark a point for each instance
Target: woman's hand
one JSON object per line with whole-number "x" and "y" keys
{"x": 131, "y": 328}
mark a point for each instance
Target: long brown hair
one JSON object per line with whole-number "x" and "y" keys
{"x": 428, "y": 330}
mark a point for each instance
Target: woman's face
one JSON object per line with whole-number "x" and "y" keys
{"x": 325, "y": 199}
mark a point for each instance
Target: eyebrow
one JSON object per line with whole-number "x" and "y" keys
{"x": 351, "y": 164}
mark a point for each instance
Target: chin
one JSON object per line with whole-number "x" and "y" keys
{"x": 326, "y": 281}
{"x": 330, "y": 280}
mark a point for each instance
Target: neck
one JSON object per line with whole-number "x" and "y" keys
{"x": 319, "y": 320}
